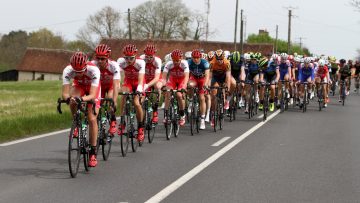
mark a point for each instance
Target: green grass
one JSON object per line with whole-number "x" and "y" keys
{"x": 29, "y": 108}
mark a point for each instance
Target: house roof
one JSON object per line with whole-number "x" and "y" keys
{"x": 45, "y": 60}
{"x": 166, "y": 46}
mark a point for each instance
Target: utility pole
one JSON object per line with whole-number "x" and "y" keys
{"x": 289, "y": 32}
{"x": 207, "y": 6}
{"x": 276, "y": 38}
{"x": 241, "y": 32}
{"x": 129, "y": 21}
{"x": 300, "y": 41}
{"x": 236, "y": 17}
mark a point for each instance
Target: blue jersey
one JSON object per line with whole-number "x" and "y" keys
{"x": 253, "y": 68}
{"x": 198, "y": 70}
{"x": 306, "y": 72}
{"x": 270, "y": 69}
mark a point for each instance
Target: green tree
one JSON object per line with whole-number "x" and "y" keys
{"x": 12, "y": 49}
{"x": 281, "y": 44}
{"x": 44, "y": 38}
{"x": 78, "y": 45}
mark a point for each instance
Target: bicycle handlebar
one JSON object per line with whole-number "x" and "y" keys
{"x": 78, "y": 101}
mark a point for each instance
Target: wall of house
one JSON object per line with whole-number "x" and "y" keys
{"x": 24, "y": 76}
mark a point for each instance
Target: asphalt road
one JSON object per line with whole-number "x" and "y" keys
{"x": 294, "y": 157}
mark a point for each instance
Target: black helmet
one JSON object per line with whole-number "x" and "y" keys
{"x": 342, "y": 61}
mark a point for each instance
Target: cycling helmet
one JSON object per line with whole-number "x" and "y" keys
{"x": 176, "y": 54}
{"x": 150, "y": 50}
{"x": 307, "y": 60}
{"x": 210, "y": 55}
{"x": 188, "y": 55}
{"x": 236, "y": 57}
{"x": 247, "y": 56}
{"x": 196, "y": 53}
{"x": 274, "y": 56}
{"x": 227, "y": 54}
{"x": 350, "y": 61}
{"x": 342, "y": 61}
{"x": 290, "y": 57}
{"x": 130, "y": 50}
{"x": 219, "y": 54}
{"x": 203, "y": 56}
{"x": 253, "y": 56}
{"x": 322, "y": 62}
{"x": 257, "y": 55}
{"x": 263, "y": 62}
{"x": 103, "y": 50}
{"x": 78, "y": 61}
{"x": 167, "y": 58}
{"x": 284, "y": 56}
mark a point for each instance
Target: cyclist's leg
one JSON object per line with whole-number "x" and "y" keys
{"x": 93, "y": 126}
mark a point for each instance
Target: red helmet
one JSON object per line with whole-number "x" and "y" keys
{"x": 150, "y": 50}
{"x": 130, "y": 50}
{"x": 103, "y": 50}
{"x": 196, "y": 53}
{"x": 290, "y": 57}
{"x": 78, "y": 61}
{"x": 176, "y": 54}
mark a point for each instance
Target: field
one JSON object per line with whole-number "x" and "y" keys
{"x": 29, "y": 108}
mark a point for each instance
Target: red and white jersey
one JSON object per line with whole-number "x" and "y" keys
{"x": 132, "y": 71}
{"x": 152, "y": 68}
{"x": 322, "y": 71}
{"x": 108, "y": 74}
{"x": 177, "y": 71}
{"x": 91, "y": 77}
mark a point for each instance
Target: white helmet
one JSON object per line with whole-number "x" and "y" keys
{"x": 188, "y": 54}
{"x": 167, "y": 58}
{"x": 307, "y": 60}
{"x": 274, "y": 56}
{"x": 204, "y": 56}
{"x": 321, "y": 62}
{"x": 297, "y": 59}
{"x": 226, "y": 54}
{"x": 247, "y": 56}
{"x": 284, "y": 56}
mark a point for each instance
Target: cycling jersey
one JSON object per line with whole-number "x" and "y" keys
{"x": 108, "y": 74}
{"x": 152, "y": 68}
{"x": 345, "y": 71}
{"x": 322, "y": 72}
{"x": 269, "y": 72}
{"x": 198, "y": 70}
{"x": 306, "y": 72}
{"x": 284, "y": 69}
{"x": 219, "y": 71}
{"x": 83, "y": 82}
{"x": 236, "y": 69}
{"x": 357, "y": 68}
{"x": 177, "y": 74}
{"x": 131, "y": 72}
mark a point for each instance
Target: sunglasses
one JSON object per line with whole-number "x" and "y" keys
{"x": 101, "y": 58}
{"x": 129, "y": 57}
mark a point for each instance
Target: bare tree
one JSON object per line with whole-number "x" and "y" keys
{"x": 103, "y": 24}
{"x": 161, "y": 19}
{"x": 356, "y": 4}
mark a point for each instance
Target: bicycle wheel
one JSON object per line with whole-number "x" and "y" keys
{"x": 305, "y": 101}
{"x": 320, "y": 98}
{"x": 85, "y": 148}
{"x": 106, "y": 141}
{"x": 265, "y": 105}
{"x": 74, "y": 152}
{"x": 343, "y": 93}
{"x": 221, "y": 114}
{"x": 192, "y": 119}
{"x": 175, "y": 124}
{"x": 282, "y": 101}
{"x": 150, "y": 127}
{"x": 124, "y": 139}
{"x": 214, "y": 117}
{"x": 133, "y": 135}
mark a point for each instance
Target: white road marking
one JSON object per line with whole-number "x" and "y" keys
{"x": 33, "y": 138}
{"x": 218, "y": 143}
{"x": 186, "y": 177}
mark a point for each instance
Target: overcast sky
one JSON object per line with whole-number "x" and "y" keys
{"x": 330, "y": 27}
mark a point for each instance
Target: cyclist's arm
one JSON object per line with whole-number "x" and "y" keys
{"x": 115, "y": 90}
{"x": 207, "y": 76}
{"x": 92, "y": 94}
{"x": 155, "y": 80}
{"x": 228, "y": 79}
{"x": 277, "y": 75}
{"x": 66, "y": 91}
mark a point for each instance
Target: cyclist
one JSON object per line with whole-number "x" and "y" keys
{"x": 306, "y": 74}
{"x": 269, "y": 73}
{"x": 236, "y": 62}
{"x": 344, "y": 74}
{"x": 85, "y": 87}
{"x": 333, "y": 69}
{"x": 152, "y": 75}
{"x": 357, "y": 72}
{"x": 220, "y": 73}
{"x": 322, "y": 76}
{"x": 210, "y": 57}
{"x": 285, "y": 73}
{"x": 252, "y": 75}
{"x": 134, "y": 71}
{"x": 199, "y": 77}
{"x": 178, "y": 71}
{"x": 109, "y": 78}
